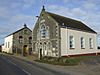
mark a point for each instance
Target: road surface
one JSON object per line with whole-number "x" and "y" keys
{"x": 14, "y": 66}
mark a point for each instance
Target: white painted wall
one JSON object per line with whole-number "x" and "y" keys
{"x": 65, "y": 48}
{"x": 10, "y": 40}
{"x": 64, "y": 41}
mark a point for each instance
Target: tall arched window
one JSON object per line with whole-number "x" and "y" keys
{"x": 44, "y": 32}
{"x": 20, "y": 39}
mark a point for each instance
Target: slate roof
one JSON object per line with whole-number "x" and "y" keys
{"x": 19, "y": 30}
{"x": 70, "y": 23}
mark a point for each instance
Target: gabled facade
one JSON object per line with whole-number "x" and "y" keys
{"x": 56, "y": 36}
{"x": 19, "y": 42}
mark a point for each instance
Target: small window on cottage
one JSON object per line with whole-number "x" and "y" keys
{"x": 82, "y": 42}
{"x": 71, "y": 42}
{"x": 20, "y": 39}
{"x": 91, "y": 43}
{"x": 30, "y": 40}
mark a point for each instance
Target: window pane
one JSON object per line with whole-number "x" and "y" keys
{"x": 91, "y": 42}
{"x": 71, "y": 42}
{"x": 82, "y": 42}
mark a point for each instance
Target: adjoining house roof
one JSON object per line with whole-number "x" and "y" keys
{"x": 70, "y": 23}
{"x": 25, "y": 26}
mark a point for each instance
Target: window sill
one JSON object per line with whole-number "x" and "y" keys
{"x": 91, "y": 48}
{"x": 82, "y": 48}
{"x": 72, "y": 48}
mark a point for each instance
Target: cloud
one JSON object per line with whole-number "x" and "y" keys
{"x": 89, "y": 6}
{"x": 78, "y": 12}
{"x": 18, "y": 21}
{"x": 28, "y": 3}
{"x": 4, "y": 13}
{"x": 3, "y": 30}
{"x": 58, "y": 9}
{"x": 65, "y": 1}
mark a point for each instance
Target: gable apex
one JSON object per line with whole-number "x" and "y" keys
{"x": 43, "y": 8}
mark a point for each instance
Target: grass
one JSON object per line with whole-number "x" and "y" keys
{"x": 66, "y": 61}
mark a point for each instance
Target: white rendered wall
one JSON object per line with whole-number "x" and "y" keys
{"x": 65, "y": 49}
{"x": 10, "y": 40}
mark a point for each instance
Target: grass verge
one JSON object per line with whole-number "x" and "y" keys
{"x": 66, "y": 61}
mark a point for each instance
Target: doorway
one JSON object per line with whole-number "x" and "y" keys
{"x": 40, "y": 54}
{"x": 25, "y": 50}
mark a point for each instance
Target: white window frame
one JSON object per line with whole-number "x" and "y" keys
{"x": 44, "y": 33}
{"x": 82, "y": 43}
{"x": 91, "y": 43}
{"x": 71, "y": 42}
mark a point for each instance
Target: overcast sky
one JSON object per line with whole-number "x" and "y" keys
{"x": 14, "y": 13}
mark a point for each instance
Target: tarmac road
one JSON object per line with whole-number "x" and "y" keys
{"x": 14, "y": 66}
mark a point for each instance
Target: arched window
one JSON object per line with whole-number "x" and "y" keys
{"x": 30, "y": 40}
{"x": 20, "y": 39}
{"x": 44, "y": 32}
